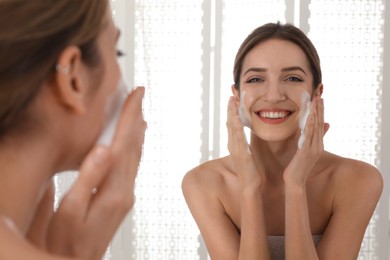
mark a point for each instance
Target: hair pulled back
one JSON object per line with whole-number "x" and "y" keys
{"x": 32, "y": 36}
{"x": 286, "y": 32}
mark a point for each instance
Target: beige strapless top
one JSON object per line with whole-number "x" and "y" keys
{"x": 277, "y": 245}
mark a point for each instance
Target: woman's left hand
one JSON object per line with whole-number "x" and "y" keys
{"x": 307, "y": 156}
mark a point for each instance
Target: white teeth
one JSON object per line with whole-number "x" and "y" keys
{"x": 273, "y": 114}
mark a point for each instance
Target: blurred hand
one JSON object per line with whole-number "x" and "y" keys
{"x": 93, "y": 209}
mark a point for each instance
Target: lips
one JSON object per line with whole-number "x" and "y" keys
{"x": 274, "y": 116}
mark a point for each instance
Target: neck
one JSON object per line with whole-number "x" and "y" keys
{"x": 274, "y": 156}
{"x": 28, "y": 165}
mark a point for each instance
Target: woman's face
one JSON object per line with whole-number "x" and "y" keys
{"x": 104, "y": 85}
{"x": 274, "y": 82}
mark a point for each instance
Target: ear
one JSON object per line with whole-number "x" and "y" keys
{"x": 70, "y": 80}
{"x": 319, "y": 90}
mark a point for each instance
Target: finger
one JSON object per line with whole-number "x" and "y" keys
{"x": 128, "y": 141}
{"x": 326, "y": 127}
{"x": 236, "y": 135}
{"x": 322, "y": 110}
{"x": 94, "y": 169}
{"x": 318, "y": 125}
{"x": 116, "y": 195}
{"x": 322, "y": 116}
{"x": 229, "y": 123}
{"x": 232, "y": 111}
{"x": 131, "y": 121}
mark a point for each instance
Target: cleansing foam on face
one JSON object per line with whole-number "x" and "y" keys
{"x": 113, "y": 111}
{"x": 243, "y": 113}
{"x": 305, "y": 111}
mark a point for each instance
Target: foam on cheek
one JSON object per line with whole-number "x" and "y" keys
{"x": 113, "y": 111}
{"x": 305, "y": 111}
{"x": 242, "y": 112}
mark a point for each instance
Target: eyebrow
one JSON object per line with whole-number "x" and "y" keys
{"x": 294, "y": 68}
{"x": 256, "y": 69}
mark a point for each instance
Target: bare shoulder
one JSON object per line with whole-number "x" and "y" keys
{"x": 356, "y": 187}
{"x": 208, "y": 176}
{"x": 205, "y": 189}
{"x": 356, "y": 177}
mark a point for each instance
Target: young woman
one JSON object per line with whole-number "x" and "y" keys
{"x": 281, "y": 196}
{"x": 58, "y": 76}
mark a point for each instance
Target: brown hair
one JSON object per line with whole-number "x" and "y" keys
{"x": 32, "y": 36}
{"x": 286, "y": 32}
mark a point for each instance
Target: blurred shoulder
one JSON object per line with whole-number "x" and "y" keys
{"x": 14, "y": 245}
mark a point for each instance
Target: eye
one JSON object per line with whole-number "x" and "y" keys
{"x": 120, "y": 53}
{"x": 254, "y": 80}
{"x": 294, "y": 79}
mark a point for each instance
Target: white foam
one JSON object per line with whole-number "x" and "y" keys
{"x": 305, "y": 111}
{"x": 113, "y": 111}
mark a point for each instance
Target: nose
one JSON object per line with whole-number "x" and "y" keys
{"x": 274, "y": 92}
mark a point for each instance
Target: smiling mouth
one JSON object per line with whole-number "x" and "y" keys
{"x": 274, "y": 114}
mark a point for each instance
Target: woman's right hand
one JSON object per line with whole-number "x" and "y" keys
{"x": 93, "y": 209}
{"x": 252, "y": 241}
{"x": 244, "y": 164}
